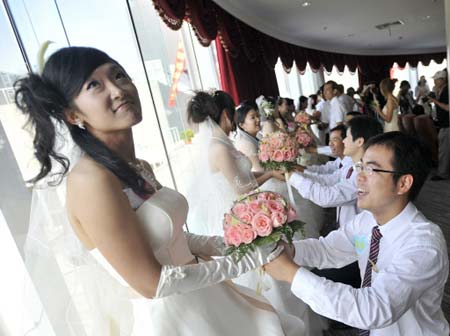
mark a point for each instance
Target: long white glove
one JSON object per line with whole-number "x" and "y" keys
{"x": 205, "y": 245}
{"x": 187, "y": 278}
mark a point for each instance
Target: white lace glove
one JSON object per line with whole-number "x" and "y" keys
{"x": 187, "y": 278}
{"x": 205, "y": 245}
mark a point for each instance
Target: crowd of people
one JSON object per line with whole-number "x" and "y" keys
{"x": 381, "y": 268}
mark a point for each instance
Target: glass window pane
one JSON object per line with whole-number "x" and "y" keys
{"x": 176, "y": 64}
{"x": 106, "y": 25}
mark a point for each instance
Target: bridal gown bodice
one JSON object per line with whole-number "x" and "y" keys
{"x": 393, "y": 124}
{"x": 214, "y": 310}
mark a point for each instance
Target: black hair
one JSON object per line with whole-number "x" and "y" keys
{"x": 353, "y": 113}
{"x": 340, "y": 128}
{"x": 45, "y": 99}
{"x": 243, "y": 109}
{"x": 314, "y": 97}
{"x": 364, "y": 127}
{"x": 410, "y": 155}
{"x": 289, "y": 102}
{"x": 280, "y": 100}
{"x": 204, "y": 105}
{"x": 404, "y": 83}
{"x": 333, "y": 84}
{"x": 340, "y": 88}
{"x": 302, "y": 100}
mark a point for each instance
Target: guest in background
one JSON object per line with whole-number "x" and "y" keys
{"x": 346, "y": 101}
{"x": 441, "y": 102}
{"x": 389, "y": 113}
{"x": 405, "y": 98}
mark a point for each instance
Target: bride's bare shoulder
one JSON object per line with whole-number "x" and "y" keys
{"x": 88, "y": 172}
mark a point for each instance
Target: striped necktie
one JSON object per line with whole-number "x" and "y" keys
{"x": 349, "y": 173}
{"x": 371, "y": 264}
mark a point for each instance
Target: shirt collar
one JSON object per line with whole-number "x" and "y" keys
{"x": 399, "y": 224}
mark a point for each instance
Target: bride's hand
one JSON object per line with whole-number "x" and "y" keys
{"x": 278, "y": 174}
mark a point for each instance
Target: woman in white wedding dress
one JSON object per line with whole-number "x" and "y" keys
{"x": 390, "y": 111}
{"x": 248, "y": 125}
{"x": 223, "y": 174}
{"x": 127, "y": 267}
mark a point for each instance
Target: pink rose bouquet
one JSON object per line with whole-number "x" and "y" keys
{"x": 304, "y": 138}
{"x": 258, "y": 219}
{"x": 278, "y": 151}
{"x": 303, "y": 118}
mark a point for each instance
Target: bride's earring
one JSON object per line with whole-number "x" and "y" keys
{"x": 80, "y": 124}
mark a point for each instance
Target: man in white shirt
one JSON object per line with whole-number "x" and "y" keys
{"x": 346, "y": 101}
{"x": 402, "y": 256}
{"x": 336, "y": 144}
{"x": 334, "y": 110}
{"x": 339, "y": 188}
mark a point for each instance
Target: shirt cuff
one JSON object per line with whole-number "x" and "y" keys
{"x": 325, "y": 150}
{"x": 301, "y": 183}
{"x": 307, "y": 286}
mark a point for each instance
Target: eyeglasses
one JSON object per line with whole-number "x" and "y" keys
{"x": 360, "y": 167}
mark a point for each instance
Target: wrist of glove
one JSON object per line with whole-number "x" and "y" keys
{"x": 205, "y": 245}
{"x": 188, "y": 278}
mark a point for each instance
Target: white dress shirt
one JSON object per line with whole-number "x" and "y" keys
{"x": 330, "y": 167}
{"x": 330, "y": 190}
{"x": 336, "y": 113}
{"x": 407, "y": 282}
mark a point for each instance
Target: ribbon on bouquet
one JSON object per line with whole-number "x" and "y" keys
{"x": 289, "y": 188}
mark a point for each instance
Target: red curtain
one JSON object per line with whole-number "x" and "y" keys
{"x": 251, "y": 55}
{"x": 227, "y": 80}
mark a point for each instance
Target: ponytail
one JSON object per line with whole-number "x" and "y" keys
{"x": 41, "y": 104}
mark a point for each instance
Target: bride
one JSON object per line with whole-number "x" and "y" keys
{"x": 248, "y": 126}
{"x": 223, "y": 174}
{"x": 121, "y": 264}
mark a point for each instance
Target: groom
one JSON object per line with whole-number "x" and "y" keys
{"x": 402, "y": 255}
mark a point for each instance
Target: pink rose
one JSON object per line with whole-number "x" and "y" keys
{"x": 263, "y": 156}
{"x": 262, "y": 224}
{"x": 247, "y": 233}
{"x": 278, "y": 218}
{"x": 263, "y": 196}
{"x": 275, "y": 206}
{"x": 239, "y": 209}
{"x": 278, "y": 156}
{"x": 232, "y": 235}
{"x": 246, "y": 216}
{"x": 287, "y": 156}
{"x": 226, "y": 220}
{"x": 254, "y": 206}
{"x": 291, "y": 215}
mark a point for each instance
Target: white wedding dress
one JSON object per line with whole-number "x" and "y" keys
{"x": 222, "y": 309}
{"x": 211, "y": 199}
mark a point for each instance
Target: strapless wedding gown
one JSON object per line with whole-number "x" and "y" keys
{"x": 223, "y": 309}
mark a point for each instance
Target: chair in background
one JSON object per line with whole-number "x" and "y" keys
{"x": 408, "y": 124}
{"x": 426, "y": 130}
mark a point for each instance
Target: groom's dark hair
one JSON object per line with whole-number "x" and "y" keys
{"x": 410, "y": 155}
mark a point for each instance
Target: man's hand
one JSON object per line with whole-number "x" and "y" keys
{"x": 298, "y": 168}
{"x": 279, "y": 175}
{"x": 282, "y": 268}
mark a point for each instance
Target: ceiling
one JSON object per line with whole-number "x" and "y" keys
{"x": 348, "y": 26}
